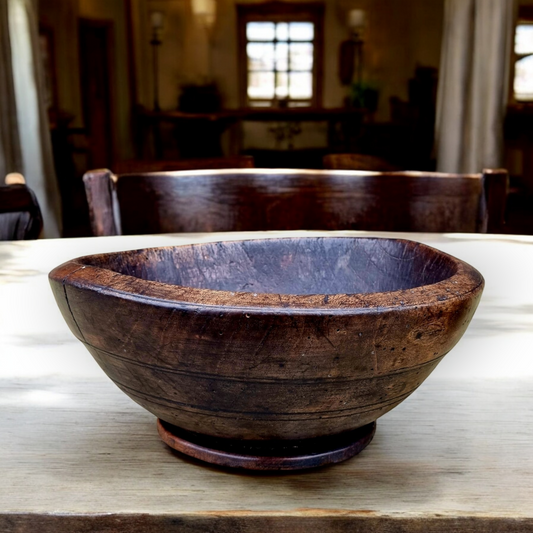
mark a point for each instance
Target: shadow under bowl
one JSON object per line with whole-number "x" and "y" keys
{"x": 272, "y": 341}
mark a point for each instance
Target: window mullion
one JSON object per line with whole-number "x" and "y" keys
{"x": 275, "y": 63}
{"x": 282, "y": 67}
{"x": 289, "y": 65}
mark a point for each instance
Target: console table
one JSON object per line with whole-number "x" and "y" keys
{"x": 202, "y": 131}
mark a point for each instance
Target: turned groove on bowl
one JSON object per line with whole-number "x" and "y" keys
{"x": 267, "y": 342}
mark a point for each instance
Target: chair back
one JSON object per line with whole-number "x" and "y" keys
{"x": 266, "y": 199}
{"x": 20, "y": 215}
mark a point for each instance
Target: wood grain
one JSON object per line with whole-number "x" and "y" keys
{"x": 261, "y": 200}
{"x": 270, "y": 339}
{"x": 101, "y": 199}
{"x": 289, "y": 455}
{"x": 450, "y": 459}
{"x": 496, "y": 186}
{"x": 325, "y": 521}
{"x": 78, "y": 455}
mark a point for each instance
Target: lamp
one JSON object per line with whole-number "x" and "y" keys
{"x": 205, "y": 12}
{"x": 351, "y": 50}
{"x": 356, "y": 20}
{"x": 157, "y": 20}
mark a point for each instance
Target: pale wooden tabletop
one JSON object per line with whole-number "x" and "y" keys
{"x": 77, "y": 455}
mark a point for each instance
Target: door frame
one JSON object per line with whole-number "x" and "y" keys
{"x": 109, "y": 27}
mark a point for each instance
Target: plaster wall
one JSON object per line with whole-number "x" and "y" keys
{"x": 63, "y": 17}
{"x": 400, "y": 34}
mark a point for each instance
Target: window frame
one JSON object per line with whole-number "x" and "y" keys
{"x": 281, "y": 12}
{"x": 525, "y": 16}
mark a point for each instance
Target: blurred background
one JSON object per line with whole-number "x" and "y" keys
{"x": 99, "y": 84}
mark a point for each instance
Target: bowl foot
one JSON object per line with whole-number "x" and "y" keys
{"x": 267, "y": 455}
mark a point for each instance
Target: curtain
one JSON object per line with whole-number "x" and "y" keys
{"x": 24, "y": 133}
{"x": 473, "y": 84}
{"x": 10, "y": 154}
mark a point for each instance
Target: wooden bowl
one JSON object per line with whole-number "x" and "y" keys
{"x": 256, "y": 348}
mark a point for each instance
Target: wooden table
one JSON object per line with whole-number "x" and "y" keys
{"x": 77, "y": 455}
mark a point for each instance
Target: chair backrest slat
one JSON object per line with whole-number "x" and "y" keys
{"x": 264, "y": 199}
{"x": 496, "y": 185}
{"x": 103, "y": 211}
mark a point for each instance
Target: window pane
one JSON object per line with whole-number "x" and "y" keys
{"x": 282, "y": 56}
{"x": 282, "y": 85}
{"x": 523, "y": 79}
{"x": 301, "y": 56}
{"x": 260, "y": 56}
{"x": 524, "y": 39}
{"x": 282, "y": 31}
{"x": 301, "y": 31}
{"x": 301, "y": 85}
{"x": 280, "y": 62}
{"x": 260, "y": 31}
{"x": 261, "y": 85}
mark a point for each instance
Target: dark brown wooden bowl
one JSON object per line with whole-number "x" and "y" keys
{"x": 273, "y": 339}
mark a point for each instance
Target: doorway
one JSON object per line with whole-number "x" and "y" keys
{"x": 96, "y": 77}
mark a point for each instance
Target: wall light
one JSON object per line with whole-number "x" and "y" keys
{"x": 157, "y": 21}
{"x": 205, "y": 12}
{"x": 356, "y": 20}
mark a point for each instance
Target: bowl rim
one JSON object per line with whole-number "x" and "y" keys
{"x": 461, "y": 285}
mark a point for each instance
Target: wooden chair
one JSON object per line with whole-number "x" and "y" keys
{"x": 266, "y": 199}
{"x": 20, "y": 215}
{"x": 356, "y": 162}
{"x": 143, "y": 165}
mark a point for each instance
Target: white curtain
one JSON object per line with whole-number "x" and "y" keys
{"x": 24, "y": 134}
{"x": 10, "y": 154}
{"x": 473, "y": 84}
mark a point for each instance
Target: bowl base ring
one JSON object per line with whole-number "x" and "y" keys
{"x": 267, "y": 455}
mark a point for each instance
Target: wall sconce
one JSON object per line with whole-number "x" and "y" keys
{"x": 205, "y": 12}
{"x": 351, "y": 50}
{"x": 356, "y": 20}
{"x": 157, "y": 21}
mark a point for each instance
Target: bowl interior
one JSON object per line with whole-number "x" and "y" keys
{"x": 304, "y": 266}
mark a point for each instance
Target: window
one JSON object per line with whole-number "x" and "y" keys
{"x": 523, "y": 53}
{"x": 280, "y": 54}
{"x": 523, "y": 76}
